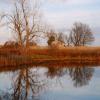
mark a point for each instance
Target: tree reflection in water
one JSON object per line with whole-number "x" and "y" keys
{"x": 56, "y": 72}
{"x": 26, "y": 84}
{"x": 81, "y": 75}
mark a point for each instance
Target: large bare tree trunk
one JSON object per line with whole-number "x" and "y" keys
{"x": 25, "y": 21}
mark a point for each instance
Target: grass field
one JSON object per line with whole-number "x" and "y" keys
{"x": 20, "y": 56}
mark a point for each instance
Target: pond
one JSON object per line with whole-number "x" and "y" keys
{"x": 50, "y": 83}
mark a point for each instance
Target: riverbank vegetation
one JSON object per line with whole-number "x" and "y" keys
{"x": 21, "y": 56}
{"x": 26, "y": 26}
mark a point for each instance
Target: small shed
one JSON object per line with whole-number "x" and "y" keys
{"x": 57, "y": 44}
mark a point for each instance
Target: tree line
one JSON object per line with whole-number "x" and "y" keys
{"x": 80, "y": 35}
{"x": 25, "y": 22}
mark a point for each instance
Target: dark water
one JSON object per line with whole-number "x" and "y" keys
{"x": 50, "y": 83}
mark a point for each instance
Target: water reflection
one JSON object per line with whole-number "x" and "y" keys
{"x": 81, "y": 75}
{"x": 28, "y": 83}
{"x": 56, "y": 72}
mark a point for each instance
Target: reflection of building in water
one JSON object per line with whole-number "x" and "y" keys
{"x": 81, "y": 75}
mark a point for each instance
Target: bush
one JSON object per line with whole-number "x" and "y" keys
{"x": 51, "y": 39}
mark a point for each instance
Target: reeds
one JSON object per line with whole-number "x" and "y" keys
{"x": 21, "y": 56}
{"x": 13, "y": 57}
{"x": 72, "y": 52}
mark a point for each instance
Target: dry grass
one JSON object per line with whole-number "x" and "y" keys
{"x": 67, "y": 52}
{"x": 20, "y": 56}
{"x": 13, "y": 57}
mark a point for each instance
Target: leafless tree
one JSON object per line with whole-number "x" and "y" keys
{"x": 1, "y": 19}
{"x": 64, "y": 38}
{"x": 25, "y": 20}
{"x": 61, "y": 37}
{"x": 81, "y": 35}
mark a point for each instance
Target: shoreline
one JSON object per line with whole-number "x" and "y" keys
{"x": 21, "y": 56}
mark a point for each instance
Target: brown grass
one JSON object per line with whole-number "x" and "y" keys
{"x": 20, "y": 56}
{"x": 71, "y": 52}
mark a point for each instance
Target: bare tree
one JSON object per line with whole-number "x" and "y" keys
{"x": 81, "y": 35}
{"x": 16, "y": 24}
{"x": 25, "y": 20}
{"x": 61, "y": 37}
{"x": 1, "y": 19}
{"x": 64, "y": 38}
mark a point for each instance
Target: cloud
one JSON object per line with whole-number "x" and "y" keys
{"x": 7, "y": 1}
{"x": 75, "y": 2}
{"x": 67, "y": 18}
{"x": 79, "y": 1}
{"x": 56, "y": 1}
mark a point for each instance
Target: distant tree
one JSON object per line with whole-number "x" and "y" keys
{"x": 81, "y": 35}
{"x": 61, "y": 37}
{"x": 64, "y": 38}
{"x": 2, "y": 16}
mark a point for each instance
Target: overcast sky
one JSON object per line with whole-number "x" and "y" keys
{"x": 61, "y": 14}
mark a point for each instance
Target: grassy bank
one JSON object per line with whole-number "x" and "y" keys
{"x": 70, "y": 53}
{"x": 20, "y": 56}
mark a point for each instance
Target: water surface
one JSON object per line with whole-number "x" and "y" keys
{"x": 50, "y": 83}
